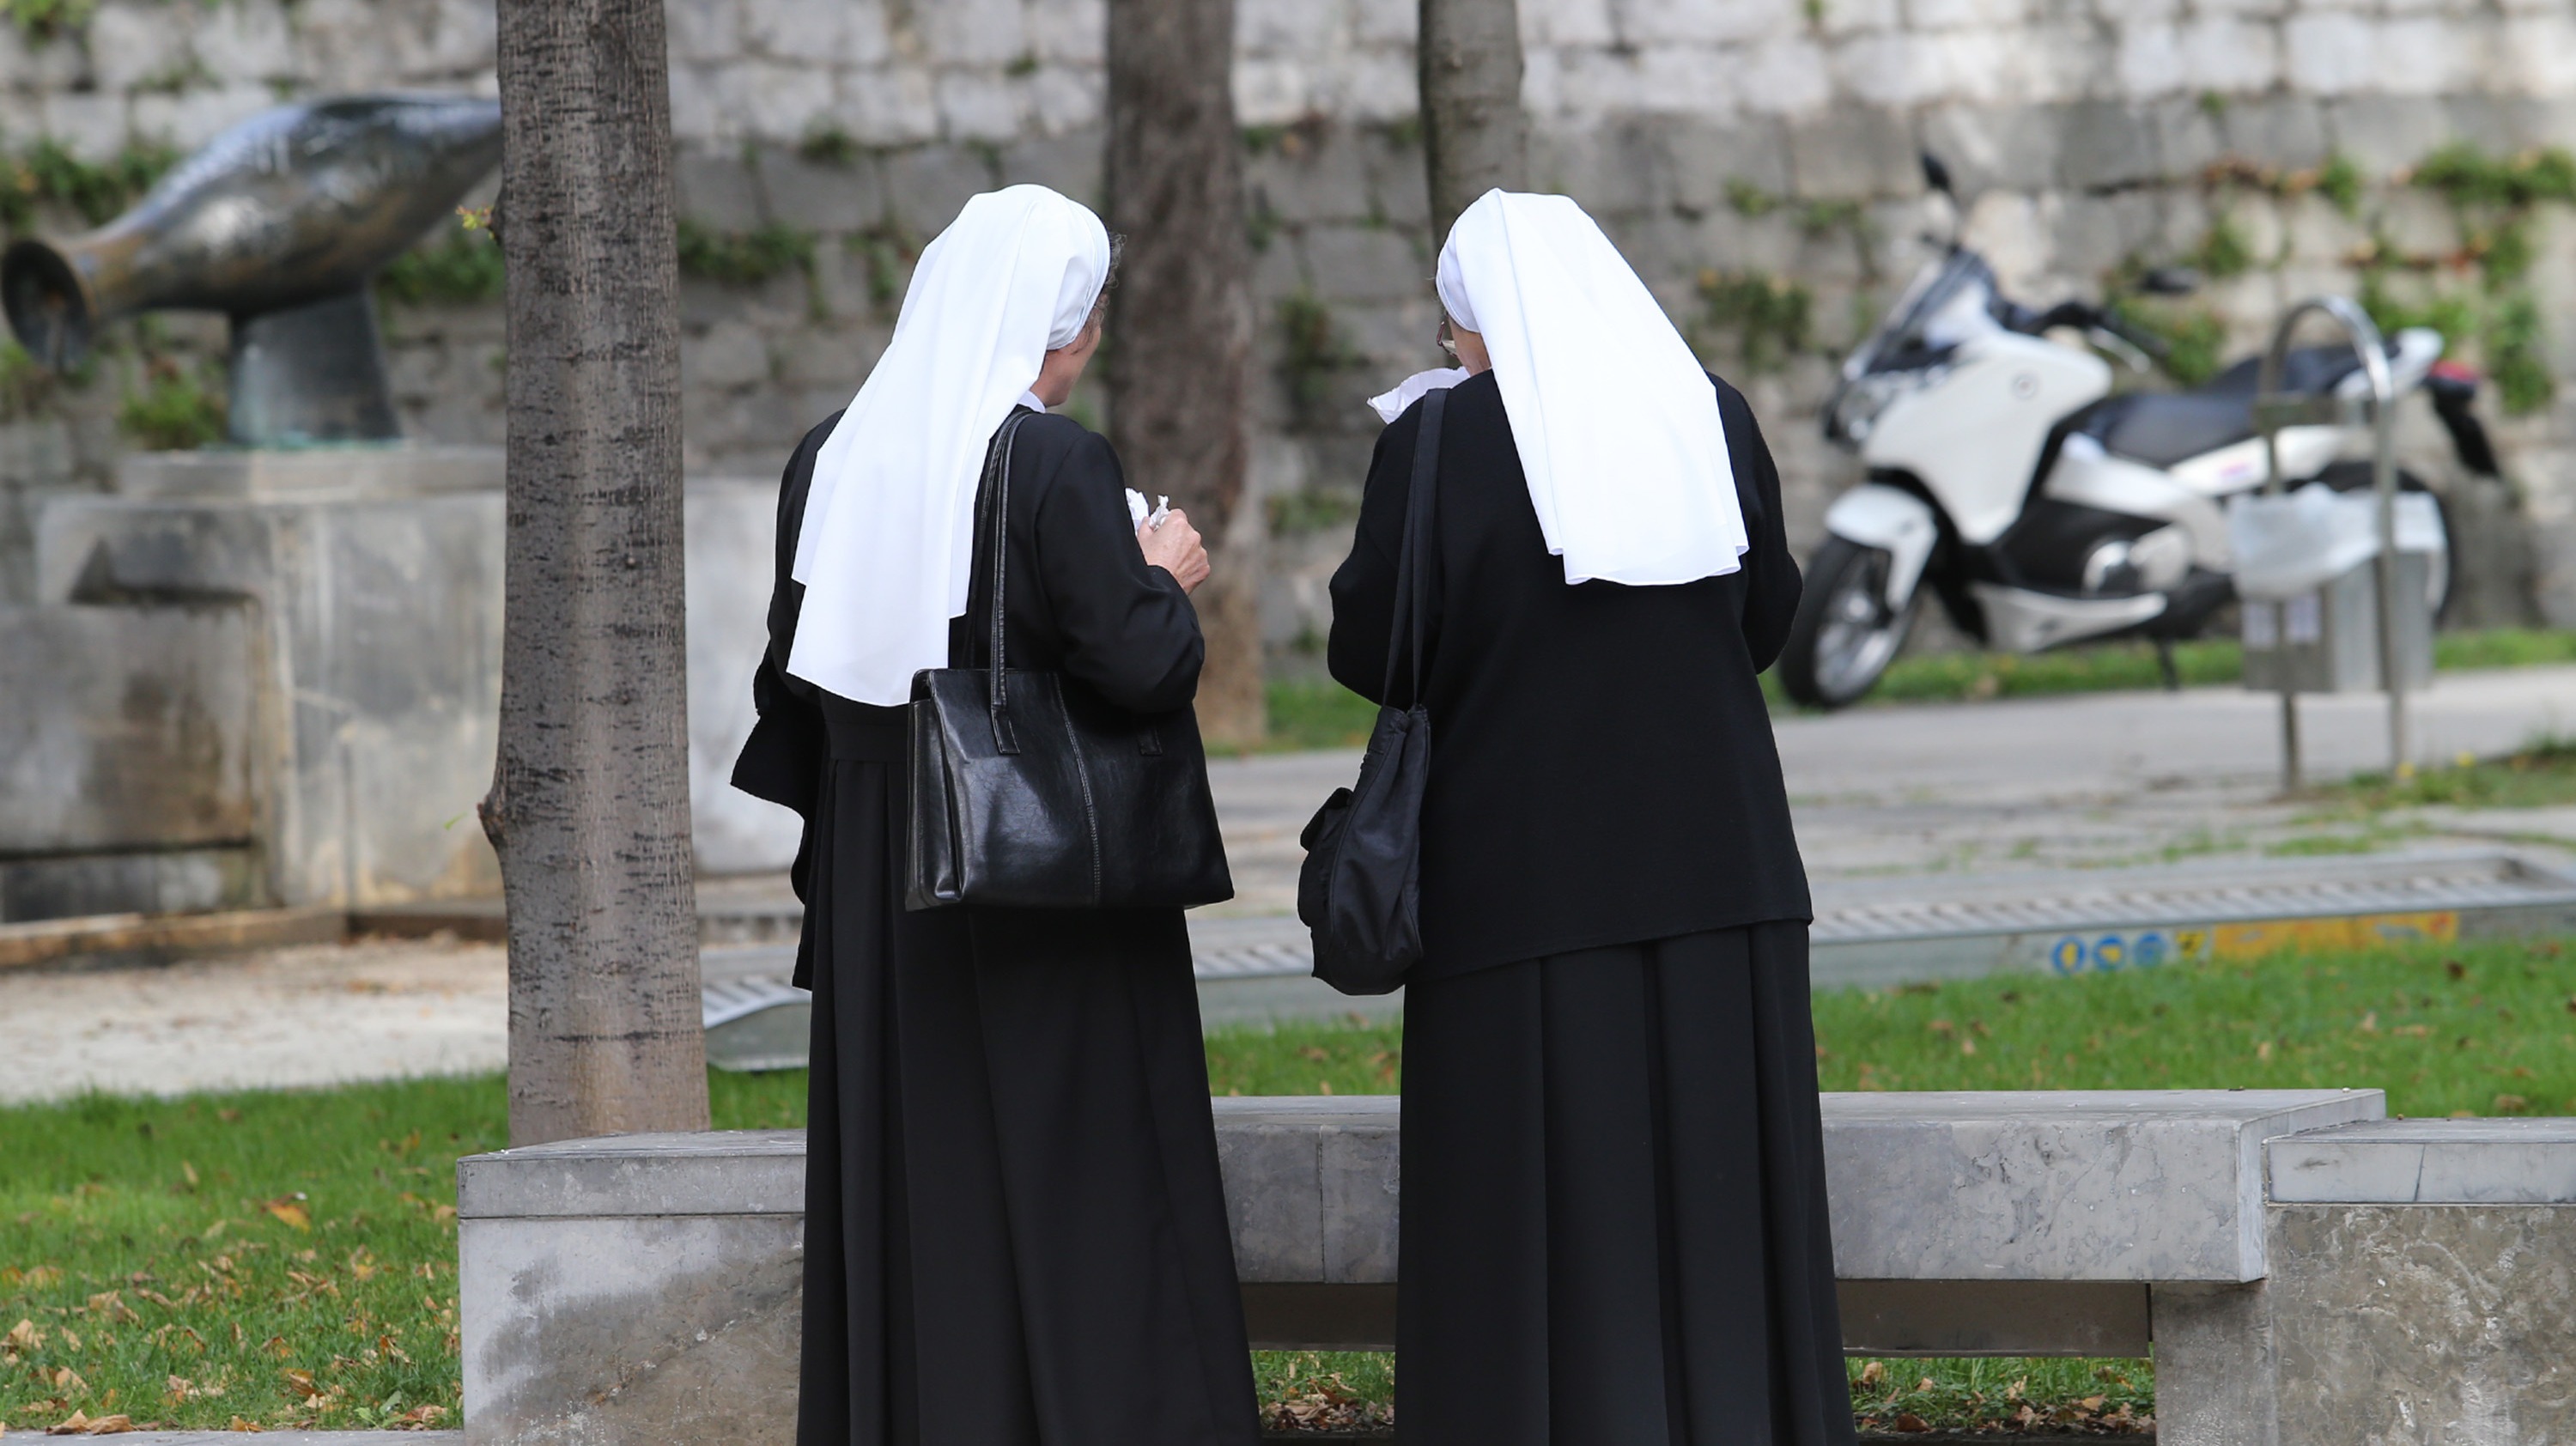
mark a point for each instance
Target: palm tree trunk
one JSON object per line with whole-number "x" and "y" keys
{"x": 1180, "y": 324}
{"x": 589, "y": 807}
{"x": 1470, "y": 57}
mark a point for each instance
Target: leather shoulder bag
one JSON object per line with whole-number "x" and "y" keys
{"x": 1030, "y": 794}
{"x": 1359, "y": 890}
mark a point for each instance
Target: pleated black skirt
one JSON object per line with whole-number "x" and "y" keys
{"x": 1614, "y": 1228}
{"x": 1015, "y": 1231}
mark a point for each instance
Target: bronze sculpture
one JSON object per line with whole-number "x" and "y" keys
{"x": 280, "y": 223}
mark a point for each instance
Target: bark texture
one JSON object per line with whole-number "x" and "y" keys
{"x": 589, "y": 807}
{"x": 1471, "y": 104}
{"x": 1180, "y": 323}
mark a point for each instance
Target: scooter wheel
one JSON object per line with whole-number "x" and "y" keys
{"x": 1846, "y": 633}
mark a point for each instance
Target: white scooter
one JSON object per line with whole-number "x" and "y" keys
{"x": 2040, "y": 507}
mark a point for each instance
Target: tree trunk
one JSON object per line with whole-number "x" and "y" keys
{"x": 1180, "y": 323}
{"x": 1470, "y": 55}
{"x": 589, "y": 806}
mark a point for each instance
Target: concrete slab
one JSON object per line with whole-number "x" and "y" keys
{"x": 2160, "y": 1185}
{"x": 2429, "y": 1162}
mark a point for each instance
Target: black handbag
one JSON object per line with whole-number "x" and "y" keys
{"x": 1030, "y": 794}
{"x": 1360, "y": 889}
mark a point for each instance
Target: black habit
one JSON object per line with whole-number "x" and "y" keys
{"x": 1614, "y": 1228}
{"x": 1015, "y": 1232}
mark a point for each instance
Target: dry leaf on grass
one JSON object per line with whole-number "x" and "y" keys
{"x": 289, "y": 1209}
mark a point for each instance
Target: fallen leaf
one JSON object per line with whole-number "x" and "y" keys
{"x": 1873, "y": 1373}
{"x": 288, "y": 1210}
{"x": 67, "y": 1380}
{"x": 2455, "y": 968}
{"x": 190, "y": 1171}
{"x": 23, "y": 1337}
{"x": 1908, "y": 1421}
{"x": 300, "y": 1383}
{"x": 241, "y": 1425}
{"x": 111, "y": 1426}
{"x": 2511, "y": 1104}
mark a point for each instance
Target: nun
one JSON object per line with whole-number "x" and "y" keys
{"x": 1613, "y": 1228}
{"x": 1014, "y": 1228}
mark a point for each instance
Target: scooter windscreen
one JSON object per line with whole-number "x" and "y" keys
{"x": 1948, "y": 301}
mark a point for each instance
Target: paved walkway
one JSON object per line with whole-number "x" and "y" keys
{"x": 1882, "y": 795}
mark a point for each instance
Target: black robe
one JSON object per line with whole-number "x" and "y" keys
{"x": 1614, "y": 1229}
{"x": 1015, "y": 1231}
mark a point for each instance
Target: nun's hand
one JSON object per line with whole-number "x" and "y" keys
{"x": 1176, "y": 548}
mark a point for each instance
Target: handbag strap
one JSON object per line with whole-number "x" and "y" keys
{"x": 1420, "y": 550}
{"x": 997, "y": 478}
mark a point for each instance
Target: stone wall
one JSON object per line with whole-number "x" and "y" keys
{"x": 1755, "y": 158}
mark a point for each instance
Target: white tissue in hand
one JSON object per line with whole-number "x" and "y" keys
{"x": 1141, "y": 515}
{"x": 1391, "y": 405}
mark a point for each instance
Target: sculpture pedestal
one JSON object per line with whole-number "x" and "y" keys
{"x": 312, "y": 474}
{"x": 343, "y": 737}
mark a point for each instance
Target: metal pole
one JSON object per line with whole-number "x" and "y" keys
{"x": 2267, "y": 386}
{"x": 2270, "y": 408}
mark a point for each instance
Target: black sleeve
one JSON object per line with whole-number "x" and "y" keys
{"x": 1363, "y": 587}
{"x": 1770, "y": 573}
{"x": 1128, "y": 629}
{"x": 783, "y": 759}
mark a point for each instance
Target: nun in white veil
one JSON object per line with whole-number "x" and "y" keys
{"x": 1614, "y": 1228}
{"x": 1014, "y": 1230}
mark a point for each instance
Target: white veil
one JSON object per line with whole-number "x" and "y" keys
{"x": 1617, "y": 424}
{"x": 888, "y": 536}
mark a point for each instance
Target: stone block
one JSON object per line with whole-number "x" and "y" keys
{"x": 771, "y": 100}
{"x": 715, "y": 189}
{"x": 812, "y": 195}
{"x": 2171, "y": 1191}
{"x": 2429, "y": 1162}
{"x": 978, "y": 106}
{"x": 1698, "y": 164}
{"x": 1063, "y": 99}
{"x": 145, "y": 880}
{"x": 1785, "y": 76}
{"x": 1368, "y": 263}
{"x": 1649, "y": 23}
{"x": 727, "y": 356}
{"x": 1853, "y": 153}
{"x": 585, "y": 1348}
{"x": 126, "y": 728}
{"x": 2486, "y": 122}
{"x": 926, "y": 186}
{"x": 705, "y": 30}
{"x": 130, "y": 44}
{"x": 732, "y": 531}
{"x": 2012, "y": 148}
{"x": 2106, "y": 145}
{"x": 2424, "y": 1322}
{"x": 2148, "y": 62}
{"x": 1609, "y": 169}
{"x": 89, "y": 125}
{"x": 1399, "y": 185}
{"x": 2230, "y": 56}
{"x": 1311, "y": 1186}
{"x": 2332, "y": 54}
{"x": 1310, "y": 178}
{"x": 251, "y": 41}
{"x": 889, "y": 105}
{"x": 193, "y": 117}
{"x": 2217, "y": 1364}
{"x": 1069, "y": 32}
{"x": 985, "y": 33}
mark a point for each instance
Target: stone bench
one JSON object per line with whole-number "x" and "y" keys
{"x": 2432, "y": 1263}
{"x": 645, "y": 1288}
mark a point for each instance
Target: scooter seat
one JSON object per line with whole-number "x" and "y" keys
{"x": 2163, "y": 428}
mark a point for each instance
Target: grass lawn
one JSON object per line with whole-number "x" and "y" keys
{"x": 288, "y": 1258}
{"x": 1323, "y": 714}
